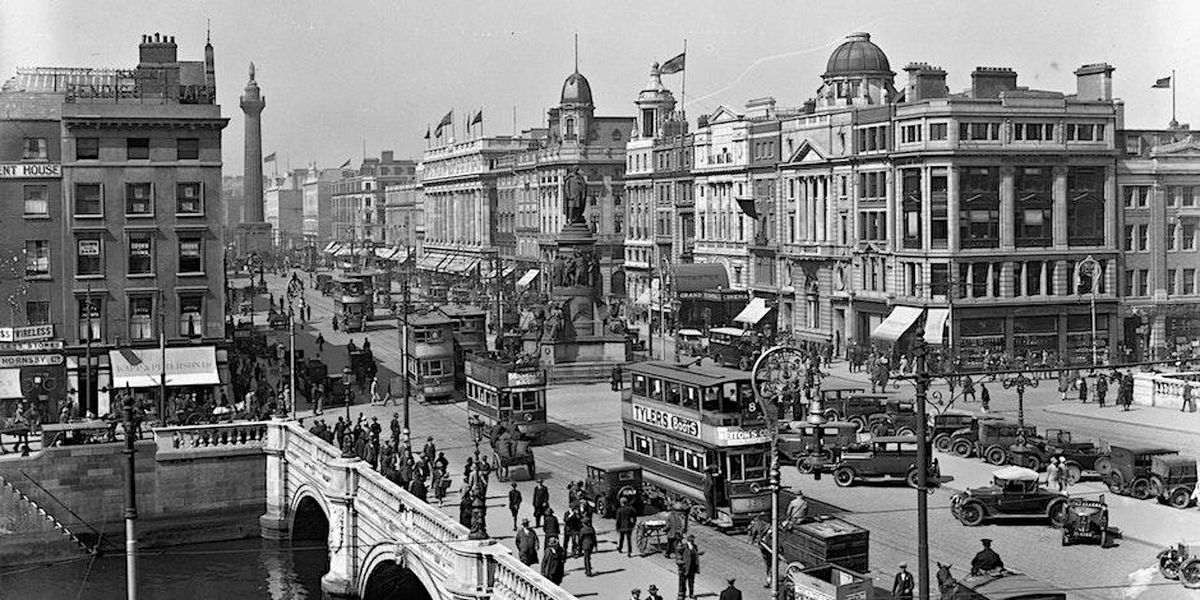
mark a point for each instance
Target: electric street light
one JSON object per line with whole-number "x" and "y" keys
{"x": 1020, "y": 381}
{"x": 478, "y": 503}
{"x": 1091, "y": 267}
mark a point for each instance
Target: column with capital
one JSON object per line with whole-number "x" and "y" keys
{"x": 1008, "y": 218}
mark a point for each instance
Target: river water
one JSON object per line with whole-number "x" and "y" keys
{"x": 243, "y": 569}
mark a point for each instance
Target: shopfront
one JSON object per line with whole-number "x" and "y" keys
{"x": 193, "y": 374}
{"x": 33, "y": 378}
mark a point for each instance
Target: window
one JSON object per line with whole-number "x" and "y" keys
{"x": 939, "y": 279}
{"x": 188, "y": 198}
{"x": 1034, "y": 206}
{"x": 937, "y": 132}
{"x": 1189, "y": 196}
{"x": 141, "y": 254}
{"x": 974, "y": 132}
{"x": 872, "y": 186}
{"x": 137, "y": 148}
{"x": 1137, "y": 196}
{"x": 1171, "y": 282}
{"x": 1129, "y": 231}
{"x": 139, "y": 199}
{"x": 938, "y": 198}
{"x": 910, "y": 133}
{"x": 979, "y": 212}
{"x": 187, "y": 149}
{"x": 34, "y": 149}
{"x": 911, "y": 203}
{"x": 37, "y": 258}
{"x": 1143, "y": 282}
{"x": 191, "y": 257}
{"x": 191, "y": 315}
{"x": 1172, "y": 242}
{"x": 141, "y": 317}
{"x": 1085, "y": 206}
{"x": 1033, "y": 277}
{"x": 1033, "y": 132}
{"x": 1085, "y": 132}
{"x": 1143, "y": 238}
{"x": 37, "y": 312}
{"x": 88, "y": 259}
{"x": 1129, "y": 281}
{"x": 435, "y": 368}
{"x": 90, "y": 317}
{"x": 1189, "y": 281}
{"x": 37, "y": 203}
{"x": 87, "y": 148}
{"x": 89, "y": 200}
{"x": 1189, "y": 236}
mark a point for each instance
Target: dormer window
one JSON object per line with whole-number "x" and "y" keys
{"x": 570, "y": 129}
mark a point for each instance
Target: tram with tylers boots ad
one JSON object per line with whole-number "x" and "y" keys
{"x": 687, "y": 426}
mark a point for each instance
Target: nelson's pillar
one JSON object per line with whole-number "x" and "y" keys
{"x": 253, "y": 233}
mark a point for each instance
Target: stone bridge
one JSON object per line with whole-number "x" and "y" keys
{"x": 383, "y": 542}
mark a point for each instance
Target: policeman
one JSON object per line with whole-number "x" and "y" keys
{"x": 986, "y": 560}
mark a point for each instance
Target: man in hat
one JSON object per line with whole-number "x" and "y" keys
{"x": 986, "y": 560}
{"x": 550, "y": 526}
{"x": 652, "y": 593}
{"x": 626, "y": 519}
{"x": 687, "y": 563}
{"x": 527, "y": 544}
{"x": 514, "y": 503}
{"x": 677, "y": 525}
{"x": 587, "y": 544}
{"x": 553, "y": 561}
{"x": 430, "y": 450}
{"x": 902, "y": 586}
{"x": 731, "y": 592}
{"x": 635, "y": 594}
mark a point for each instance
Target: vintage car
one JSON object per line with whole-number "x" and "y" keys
{"x": 1173, "y": 479}
{"x": 1181, "y": 563}
{"x": 1015, "y": 492}
{"x": 991, "y": 440}
{"x": 855, "y": 408}
{"x": 835, "y": 394}
{"x": 942, "y": 428}
{"x": 1130, "y": 474}
{"x": 799, "y": 445}
{"x": 899, "y": 417}
{"x": 609, "y": 482}
{"x": 734, "y": 347}
{"x": 1083, "y": 458}
{"x": 1087, "y": 520}
{"x": 690, "y": 342}
{"x": 891, "y": 457}
{"x": 1004, "y": 585}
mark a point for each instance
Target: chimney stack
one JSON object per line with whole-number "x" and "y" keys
{"x": 988, "y": 82}
{"x": 924, "y": 82}
{"x": 1094, "y": 82}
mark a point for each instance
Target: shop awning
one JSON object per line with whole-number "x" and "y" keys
{"x": 185, "y": 366}
{"x": 935, "y": 325}
{"x": 753, "y": 313}
{"x": 700, "y": 277}
{"x": 898, "y": 322}
{"x": 430, "y": 261}
{"x": 644, "y": 298}
{"x": 342, "y": 251}
{"x": 240, "y": 283}
{"x": 461, "y": 264}
{"x": 527, "y": 278}
{"x": 388, "y": 253}
{"x": 331, "y": 247}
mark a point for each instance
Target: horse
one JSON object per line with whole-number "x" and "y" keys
{"x": 947, "y": 584}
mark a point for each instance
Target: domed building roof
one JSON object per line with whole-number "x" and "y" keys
{"x": 576, "y": 89}
{"x": 858, "y": 55}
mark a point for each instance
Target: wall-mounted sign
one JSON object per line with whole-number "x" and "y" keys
{"x": 26, "y": 334}
{"x": 29, "y": 170}
{"x": 30, "y": 360}
{"x": 736, "y": 436}
{"x": 666, "y": 420}
{"x": 30, "y": 346}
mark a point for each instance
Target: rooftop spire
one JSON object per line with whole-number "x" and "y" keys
{"x": 576, "y": 52}
{"x": 251, "y": 70}
{"x": 208, "y": 33}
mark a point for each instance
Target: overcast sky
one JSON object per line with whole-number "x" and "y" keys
{"x": 338, "y": 73}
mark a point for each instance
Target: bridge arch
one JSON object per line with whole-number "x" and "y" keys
{"x": 391, "y": 572}
{"x": 308, "y": 515}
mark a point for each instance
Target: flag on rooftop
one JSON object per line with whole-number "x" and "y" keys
{"x": 674, "y": 65}
{"x": 269, "y": 158}
{"x": 443, "y": 123}
{"x": 1165, "y": 82}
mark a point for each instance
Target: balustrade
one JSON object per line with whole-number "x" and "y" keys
{"x": 190, "y": 441}
{"x": 1166, "y": 391}
{"x": 512, "y": 580}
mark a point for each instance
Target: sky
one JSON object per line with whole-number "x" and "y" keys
{"x": 341, "y": 76}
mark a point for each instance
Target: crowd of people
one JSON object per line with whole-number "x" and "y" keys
{"x": 421, "y": 473}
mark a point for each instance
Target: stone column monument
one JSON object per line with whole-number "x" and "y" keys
{"x": 253, "y": 233}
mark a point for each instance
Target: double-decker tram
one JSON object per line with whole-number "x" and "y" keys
{"x": 681, "y": 420}
{"x": 506, "y": 392}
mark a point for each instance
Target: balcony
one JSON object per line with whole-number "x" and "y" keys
{"x": 1034, "y": 242}
{"x": 969, "y": 244}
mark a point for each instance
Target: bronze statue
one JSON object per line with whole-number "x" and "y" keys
{"x": 574, "y": 197}
{"x": 581, "y": 270}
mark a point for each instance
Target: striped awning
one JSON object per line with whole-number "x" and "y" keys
{"x": 897, "y": 323}
{"x": 935, "y": 325}
{"x": 527, "y": 278}
{"x": 331, "y": 247}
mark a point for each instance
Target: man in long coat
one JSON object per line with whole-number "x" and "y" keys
{"x": 527, "y": 542}
{"x": 553, "y": 561}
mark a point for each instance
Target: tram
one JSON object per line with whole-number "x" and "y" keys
{"x": 681, "y": 420}
{"x": 350, "y": 302}
{"x": 431, "y": 356}
{"x": 506, "y": 392}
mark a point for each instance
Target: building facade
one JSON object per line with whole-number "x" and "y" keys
{"x": 283, "y": 209}
{"x": 123, "y": 249}
{"x": 358, "y": 201}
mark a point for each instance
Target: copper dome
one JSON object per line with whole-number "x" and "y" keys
{"x": 858, "y": 55}
{"x": 576, "y": 89}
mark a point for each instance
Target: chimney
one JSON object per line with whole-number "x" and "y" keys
{"x": 1094, "y": 82}
{"x": 924, "y": 82}
{"x": 388, "y": 156}
{"x": 988, "y": 82}
{"x": 157, "y": 49}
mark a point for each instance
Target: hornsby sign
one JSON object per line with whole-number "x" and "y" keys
{"x": 29, "y": 170}
{"x": 666, "y": 420}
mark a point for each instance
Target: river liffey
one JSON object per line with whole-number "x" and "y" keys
{"x": 244, "y": 569}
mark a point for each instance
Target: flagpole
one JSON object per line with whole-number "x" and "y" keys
{"x": 1174, "y": 123}
{"x": 514, "y": 120}
{"x": 683, "y": 85}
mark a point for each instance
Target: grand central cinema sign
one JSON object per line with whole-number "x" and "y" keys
{"x": 29, "y": 170}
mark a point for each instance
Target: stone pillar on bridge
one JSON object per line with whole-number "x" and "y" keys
{"x": 342, "y": 579}
{"x": 274, "y": 523}
{"x": 473, "y": 569}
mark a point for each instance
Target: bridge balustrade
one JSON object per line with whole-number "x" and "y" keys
{"x": 197, "y": 441}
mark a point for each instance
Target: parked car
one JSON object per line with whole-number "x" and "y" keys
{"x": 798, "y": 444}
{"x": 1130, "y": 474}
{"x": 1015, "y": 492}
{"x": 991, "y": 440}
{"x": 899, "y": 417}
{"x": 1173, "y": 479}
{"x": 891, "y": 457}
{"x": 1087, "y": 520}
{"x": 609, "y": 482}
{"x": 943, "y": 427}
{"x": 1083, "y": 458}
{"x": 690, "y": 342}
{"x": 855, "y": 408}
{"x": 1180, "y": 563}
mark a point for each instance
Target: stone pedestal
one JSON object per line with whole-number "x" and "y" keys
{"x": 252, "y": 237}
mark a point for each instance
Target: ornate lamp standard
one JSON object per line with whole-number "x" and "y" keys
{"x": 478, "y": 501}
{"x": 1090, "y": 267}
{"x": 348, "y": 396}
{"x": 295, "y": 289}
{"x": 1020, "y": 381}
{"x": 781, "y": 372}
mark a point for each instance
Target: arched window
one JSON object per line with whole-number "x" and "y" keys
{"x": 570, "y": 129}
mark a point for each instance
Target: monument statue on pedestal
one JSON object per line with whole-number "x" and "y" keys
{"x": 575, "y": 197}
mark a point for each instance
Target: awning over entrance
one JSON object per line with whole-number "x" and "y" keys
{"x": 460, "y": 264}
{"x": 644, "y": 298}
{"x": 753, "y": 313}
{"x": 935, "y": 325}
{"x": 185, "y": 366}
{"x": 390, "y": 253}
{"x": 898, "y": 322}
{"x": 342, "y": 251}
{"x": 331, "y": 247}
{"x": 527, "y": 278}
{"x": 430, "y": 262}
{"x": 700, "y": 277}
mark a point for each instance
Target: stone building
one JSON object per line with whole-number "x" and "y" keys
{"x": 358, "y": 202}
{"x": 283, "y": 209}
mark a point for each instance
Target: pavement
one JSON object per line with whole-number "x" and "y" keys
{"x": 585, "y": 427}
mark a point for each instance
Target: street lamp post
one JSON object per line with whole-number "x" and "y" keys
{"x": 348, "y": 397}
{"x": 1020, "y": 381}
{"x": 1091, "y": 267}
{"x": 478, "y": 503}
{"x": 295, "y": 289}
{"x": 130, "y": 499}
{"x": 922, "y": 382}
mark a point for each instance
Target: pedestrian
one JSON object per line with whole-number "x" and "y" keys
{"x": 1064, "y": 384}
{"x": 1101, "y": 389}
{"x": 464, "y": 508}
{"x": 687, "y": 564}
{"x": 572, "y": 522}
{"x": 1052, "y": 472}
{"x": 626, "y": 520}
{"x": 553, "y": 561}
{"x": 541, "y": 501}
{"x": 405, "y": 472}
{"x": 1187, "y": 404}
{"x": 418, "y": 489}
{"x": 1126, "y": 391}
{"x": 394, "y": 427}
{"x": 549, "y": 525}
{"x": 677, "y": 525}
{"x": 652, "y": 593}
{"x": 527, "y": 542}
{"x": 759, "y": 533}
{"x": 635, "y": 594}
{"x": 968, "y": 389}
{"x": 731, "y": 592}
{"x": 442, "y": 462}
{"x": 710, "y": 493}
{"x": 1064, "y": 475}
{"x": 514, "y": 503}
{"x": 985, "y": 398}
{"x": 429, "y": 450}
{"x": 1082, "y": 386}
{"x": 334, "y": 322}
{"x": 616, "y": 378}
{"x": 587, "y": 545}
{"x": 439, "y": 482}
{"x": 376, "y": 428}
{"x": 902, "y": 585}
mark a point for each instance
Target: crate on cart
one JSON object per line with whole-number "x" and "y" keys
{"x": 826, "y": 540}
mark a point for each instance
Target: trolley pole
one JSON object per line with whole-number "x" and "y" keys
{"x": 130, "y": 500}
{"x": 922, "y": 382}
{"x": 404, "y": 351}
{"x": 292, "y": 361}
{"x": 774, "y": 483}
